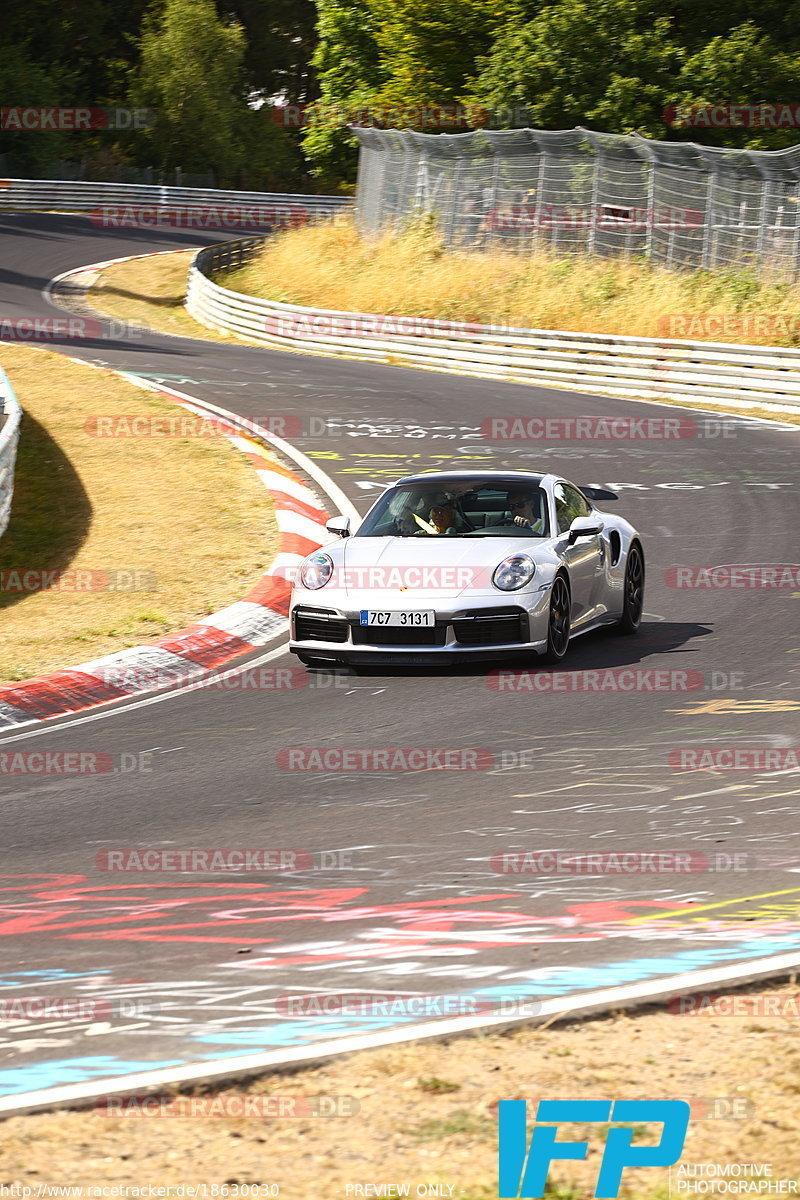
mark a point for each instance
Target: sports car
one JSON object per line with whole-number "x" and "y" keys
{"x": 468, "y": 564}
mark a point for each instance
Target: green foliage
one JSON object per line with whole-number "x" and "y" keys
{"x": 437, "y": 1086}
{"x": 396, "y": 54}
{"x": 747, "y": 65}
{"x": 205, "y": 66}
{"x": 428, "y": 48}
{"x": 618, "y": 65}
{"x": 192, "y": 74}
{"x": 607, "y": 64}
{"x": 348, "y": 67}
{"x": 280, "y": 38}
{"x": 200, "y": 66}
{"x": 25, "y": 82}
{"x": 460, "y": 1121}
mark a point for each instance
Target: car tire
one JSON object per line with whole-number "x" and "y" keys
{"x": 558, "y": 620}
{"x": 632, "y": 591}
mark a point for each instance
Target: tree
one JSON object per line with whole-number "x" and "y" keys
{"x": 391, "y": 54}
{"x": 428, "y": 48}
{"x": 620, "y": 65}
{"x": 347, "y": 61}
{"x": 607, "y": 64}
{"x": 192, "y": 75}
{"x": 25, "y": 82}
{"x": 280, "y": 38}
{"x": 745, "y": 66}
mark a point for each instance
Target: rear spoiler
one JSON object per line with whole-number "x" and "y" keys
{"x": 598, "y": 493}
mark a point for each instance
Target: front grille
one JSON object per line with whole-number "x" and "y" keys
{"x": 319, "y": 625}
{"x": 491, "y": 627}
{"x": 383, "y": 635}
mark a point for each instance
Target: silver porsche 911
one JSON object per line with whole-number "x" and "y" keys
{"x": 468, "y": 564}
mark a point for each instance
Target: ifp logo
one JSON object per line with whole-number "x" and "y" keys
{"x": 523, "y": 1170}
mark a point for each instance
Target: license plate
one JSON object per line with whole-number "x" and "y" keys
{"x": 409, "y": 620}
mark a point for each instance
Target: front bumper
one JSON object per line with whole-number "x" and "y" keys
{"x": 490, "y": 627}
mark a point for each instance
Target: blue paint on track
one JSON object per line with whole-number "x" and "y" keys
{"x": 73, "y": 1070}
{"x": 544, "y": 982}
{"x": 548, "y": 981}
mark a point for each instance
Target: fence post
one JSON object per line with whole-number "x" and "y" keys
{"x": 651, "y": 209}
{"x": 761, "y": 242}
{"x": 709, "y": 238}
{"x": 593, "y": 203}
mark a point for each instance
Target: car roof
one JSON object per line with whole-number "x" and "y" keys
{"x": 522, "y": 476}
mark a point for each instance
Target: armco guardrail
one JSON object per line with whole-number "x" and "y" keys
{"x": 54, "y": 195}
{"x": 10, "y": 416}
{"x": 619, "y": 366}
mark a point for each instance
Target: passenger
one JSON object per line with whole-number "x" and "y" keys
{"x": 443, "y": 518}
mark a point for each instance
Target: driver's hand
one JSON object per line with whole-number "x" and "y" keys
{"x": 520, "y": 521}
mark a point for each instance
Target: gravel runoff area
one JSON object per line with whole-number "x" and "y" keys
{"x": 423, "y": 1117}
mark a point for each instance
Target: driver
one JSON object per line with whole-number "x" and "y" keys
{"x": 521, "y": 507}
{"x": 443, "y": 518}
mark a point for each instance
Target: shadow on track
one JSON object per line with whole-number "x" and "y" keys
{"x": 51, "y": 513}
{"x": 602, "y": 649}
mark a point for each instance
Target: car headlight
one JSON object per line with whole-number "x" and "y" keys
{"x": 514, "y": 572}
{"x": 316, "y": 571}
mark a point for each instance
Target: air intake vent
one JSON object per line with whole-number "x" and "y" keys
{"x": 319, "y": 625}
{"x": 492, "y": 627}
{"x": 373, "y": 635}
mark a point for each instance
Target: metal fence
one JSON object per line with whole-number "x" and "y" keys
{"x": 10, "y": 416}
{"x": 617, "y": 366}
{"x": 676, "y": 203}
{"x": 64, "y": 169}
{"x": 57, "y": 195}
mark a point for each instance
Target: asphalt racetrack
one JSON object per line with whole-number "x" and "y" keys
{"x": 404, "y": 891}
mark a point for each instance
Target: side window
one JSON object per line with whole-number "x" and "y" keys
{"x": 569, "y": 505}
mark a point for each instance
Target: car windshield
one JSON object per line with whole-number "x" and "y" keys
{"x": 460, "y": 508}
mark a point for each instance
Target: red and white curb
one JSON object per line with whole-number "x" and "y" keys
{"x": 86, "y": 277}
{"x": 242, "y": 627}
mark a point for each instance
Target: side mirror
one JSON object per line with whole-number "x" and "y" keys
{"x": 339, "y": 526}
{"x": 585, "y": 527}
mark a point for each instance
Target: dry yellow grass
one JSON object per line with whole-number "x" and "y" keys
{"x": 427, "y": 1113}
{"x": 187, "y": 516}
{"x": 330, "y": 266}
{"x": 150, "y": 291}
